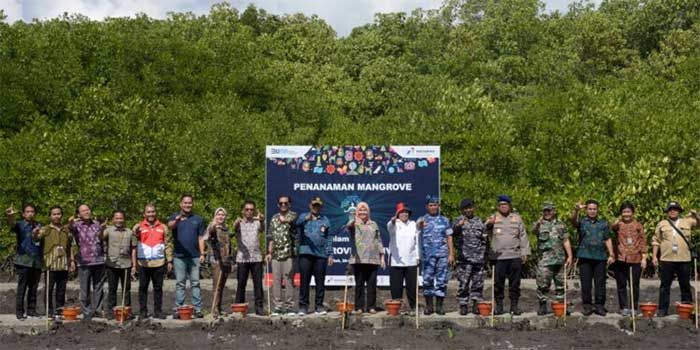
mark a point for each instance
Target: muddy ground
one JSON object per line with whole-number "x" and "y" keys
{"x": 262, "y": 334}
{"x": 528, "y": 300}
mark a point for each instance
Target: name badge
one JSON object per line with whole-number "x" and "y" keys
{"x": 629, "y": 241}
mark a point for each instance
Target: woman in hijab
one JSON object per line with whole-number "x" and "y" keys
{"x": 218, "y": 238}
{"x": 367, "y": 257}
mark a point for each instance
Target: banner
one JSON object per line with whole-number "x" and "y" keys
{"x": 343, "y": 176}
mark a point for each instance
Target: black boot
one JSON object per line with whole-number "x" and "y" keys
{"x": 428, "y": 306}
{"x": 543, "y": 308}
{"x": 475, "y": 307}
{"x": 499, "y": 308}
{"x": 514, "y": 308}
{"x": 440, "y": 311}
{"x": 463, "y": 309}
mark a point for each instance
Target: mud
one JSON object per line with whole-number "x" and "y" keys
{"x": 261, "y": 334}
{"x": 528, "y": 299}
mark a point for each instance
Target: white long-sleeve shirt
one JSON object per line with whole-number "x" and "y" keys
{"x": 403, "y": 245}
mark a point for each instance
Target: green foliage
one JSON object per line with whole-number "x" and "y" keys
{"x": 598, "y": 102}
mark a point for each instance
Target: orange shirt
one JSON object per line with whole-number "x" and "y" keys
{"x": 631, "y": 242}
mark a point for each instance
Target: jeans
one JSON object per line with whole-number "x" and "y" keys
{"x": 155, "y": 275}
{"x": 255, "y": 270}
{"x": 283, "y": 270}
{"x": 27, "y": 284}
{"x": 397, "y": 276}
{"x": 91, "y": 282}
{"x": 57, "y": 283}
{"x": 311, "y": 265}
{"x": 592, "y": 271}
{"x": 365, "y": 279}
{"x": 115, "y": 276}
{"x": 667, "y": 271}
{"x": 187, "y": 268}
{"x": 508, "y": 268}
{"x": 622, "y": 276}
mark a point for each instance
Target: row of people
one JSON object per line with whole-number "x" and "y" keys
{"x": 114, "y": 252}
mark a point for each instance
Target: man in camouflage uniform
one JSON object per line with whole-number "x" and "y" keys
{"x": 436, "y": 254}
{"x": 555, "y": 249}
{"x": 470, "y": 238}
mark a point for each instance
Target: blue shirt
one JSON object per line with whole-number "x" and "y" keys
{"x": 28, "y": 251}
{"x": 310, "y": 239}
{"x": 186, "y": 235}
{"x": 434, "y": 235}
{"x": 592, "y": 237}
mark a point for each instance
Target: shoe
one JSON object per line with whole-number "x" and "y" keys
{"x": 499, "y": 308}
{"x": 587, "y": 309}
{"x": 514, "y": 310}
{"x": 302, "y": 311}
{"x": 176, "y": 316}
{"x": 439, "y": 303}
{"x": 626, "y": 312}
{"x": 198, "y": 314}
{"x": 321, "y": 311}
{"x": 463, "y": 309}
{"x": 600, "y": 310}
{"x": 259, "y": 312}
{"x": 428, "y": 306}
{"x": 276, "y": 311}
{"x": 543, "y": 308}
{"x": 372, "y": 311}
{"x": 661, "y": 313}
{"x": 32, "y": 314}
{"x": 21, "y": 317}
{"x": 291, "y": 312}
{"x": 160, "y": 315}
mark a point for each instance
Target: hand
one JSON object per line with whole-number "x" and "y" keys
{"x": 133, "y": 273}
{"x": 201, "y": 259}
{"x": 694, "y": 214}
{"x": 491, "y": 220}
{"x": 539, "y": 221}
{"x": 258, "y": 216}
{"x": 351, "y": 224}
{"x": 421, "y": 224}
{"x": 324, "y": 228}
{"x": 611, "y": 260}
{"x": 170, "y": 267}
{"x": 36, "y": 231}
{"x": 307, "y": 217}
{"x": 137, "y": 232}
{"x": 524, "y": 258}
{"x": 72, "y": 266}
{"x": 10, "y": 211}
{"x": 579, "y": 206}
{"x": 643, "y": 264}
{"x": 237, "y": 223}
{"x": 655, "y": 261}
{"x": 71, "y": 220}
{"x": 568, "y": 261}
{"x": 393, "y": 220}
{"x": 268, "y": 257}
{"x": 451, "y": 260}
{"x": 330, "y": 261}
{"x": 382, "y": 264}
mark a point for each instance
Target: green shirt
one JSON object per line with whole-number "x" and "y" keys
{"x": 119, "y": 243}
{"x": 282, "y": 234}
{"x": 56, "y": 242}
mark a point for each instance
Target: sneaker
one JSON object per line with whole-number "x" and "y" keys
{"x": 32, "y": 314}
{"x": 291, "y": 312}
{"x": 160, "y": 315}
{"x": 600, "y": 310}
{"x": 626, "y": 312}
{"x": 143, "y": 315}
{"x": 302, "y": 311}
{"x": 276, "y": 311}
{"x": 321, "y": 312}
{"x": 21, "y": 317}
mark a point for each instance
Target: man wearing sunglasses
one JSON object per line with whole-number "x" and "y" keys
{"x": 280, "y": 252}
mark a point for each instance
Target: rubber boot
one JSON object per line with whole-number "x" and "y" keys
{"x": 543, "y": 308}
{"x": 439, "y": 300}
{"x": 499, "y": 308}
{"x": 428, "y": 306}
{"x": 463, "y": 309}
{"x": 514, "y": 310}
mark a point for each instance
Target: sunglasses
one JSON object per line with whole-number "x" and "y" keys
{"x": 248, "y": 209}
{"x": 283, "y": 203}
